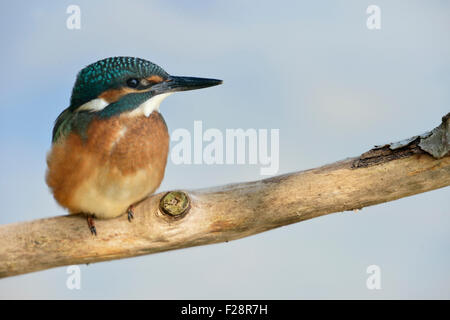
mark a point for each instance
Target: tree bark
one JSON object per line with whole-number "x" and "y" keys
{"x": 190, "y": 218}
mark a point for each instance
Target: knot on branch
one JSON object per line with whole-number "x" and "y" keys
{"x": 175, "y": 204}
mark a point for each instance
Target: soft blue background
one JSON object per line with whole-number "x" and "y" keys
{"x": 311, "y": 69}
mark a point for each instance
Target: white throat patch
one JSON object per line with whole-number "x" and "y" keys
{"x": 145, "y": 108}
{"x": 150, "y": 105}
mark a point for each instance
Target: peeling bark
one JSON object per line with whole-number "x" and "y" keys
{"x": 435, "y": 143}
{"x": 438, "y": 142}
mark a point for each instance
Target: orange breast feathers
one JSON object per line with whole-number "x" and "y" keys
{"x": 122, "y": 161}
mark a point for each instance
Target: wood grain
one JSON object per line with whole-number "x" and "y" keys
{"x": 229, "y": 212}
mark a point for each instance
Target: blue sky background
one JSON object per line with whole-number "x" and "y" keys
{"x": 309, "y": 68}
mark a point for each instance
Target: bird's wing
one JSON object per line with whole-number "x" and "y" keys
{"x": 62, "y": 125}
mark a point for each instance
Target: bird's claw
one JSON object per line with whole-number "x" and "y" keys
{"x": 91, "y": 225}
{"x": 130, "y": 213}
{"x": 93, "y": 230}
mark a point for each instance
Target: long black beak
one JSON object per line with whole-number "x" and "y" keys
{"x": 174, "y": 84}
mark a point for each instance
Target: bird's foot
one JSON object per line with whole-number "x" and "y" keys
{"x": 130, "y": 213}
{"x": 91, "y": 224}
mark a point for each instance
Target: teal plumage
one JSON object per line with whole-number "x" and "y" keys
{"x": 109, "y": 73}
{"x": 95, "y": 79}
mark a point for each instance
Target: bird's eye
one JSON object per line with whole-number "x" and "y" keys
{"x": 132, "y": 82}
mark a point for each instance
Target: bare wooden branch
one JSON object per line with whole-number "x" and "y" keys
{"x": 193, "y": 218}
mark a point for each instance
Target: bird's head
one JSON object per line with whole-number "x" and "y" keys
{"x": 120, "y": 84}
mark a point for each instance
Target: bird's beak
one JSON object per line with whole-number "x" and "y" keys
{"x": 174, "y": 84}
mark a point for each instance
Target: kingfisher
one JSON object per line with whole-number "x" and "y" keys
{"x": 110, "y": 146}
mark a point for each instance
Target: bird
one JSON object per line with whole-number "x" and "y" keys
{"x": 109, "y": 148}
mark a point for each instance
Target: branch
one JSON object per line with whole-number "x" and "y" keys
{"x": 190, "y": 218}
